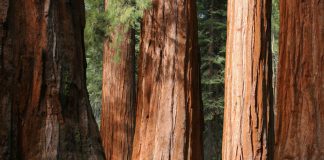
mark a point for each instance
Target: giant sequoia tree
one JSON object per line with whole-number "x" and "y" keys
{"x": 118, "y": 92}
{"x": 300, "y": 92}
{"x": 44, "y": 107}
{"x": 169, "y": 120}
{"x": 248, "y": 99}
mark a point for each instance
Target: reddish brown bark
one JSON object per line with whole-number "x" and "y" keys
{"x": 169, "y": 120}
{"x": 118, "y": 94}
{"x": 247, "y": 132}
{"x": 45, "y": 111}
{"x": 5, "y": 99}
{"x": 300, "y": 96}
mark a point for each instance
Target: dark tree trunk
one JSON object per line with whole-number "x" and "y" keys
{"x": 45, "y": 111}
{"x": 169, "y": 116}
{"x": 248, "y": 115}
{"x": 212, "y": 140}
{"x": 118, "y": 94}
{"x": 300, "y": 96}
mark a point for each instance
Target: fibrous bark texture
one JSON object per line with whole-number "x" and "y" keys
{"x": 300, "y": 96}
{"x": 247, "y": 132}
{"x": 118, "y": 94}
{"x": 169, "y": 121}
{"x": 44, "y": 108}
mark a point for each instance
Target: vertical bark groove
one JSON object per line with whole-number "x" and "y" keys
{"x": 43, "y": 73}
{"x": 300, "y": 91}
{"x": 248, "y": 115}
{"x": 118, "y": 94}
{"x": 169, "y": 120}
{"x": 5, "y": 118}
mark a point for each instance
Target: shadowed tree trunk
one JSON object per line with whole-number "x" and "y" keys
{"x": 45, "y": 111}
{"x": 118, "y": 94}
{"x": 6, "y": 147}
{"x": 300, "y": 96}
{"x": 248, "y": 114}
{"x": 212, "y": 135}
{"x": 169, "y": 121}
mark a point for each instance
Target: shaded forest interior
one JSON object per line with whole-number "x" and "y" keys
{"x": 212, "y": 20}
{"x": 161, "y": 79}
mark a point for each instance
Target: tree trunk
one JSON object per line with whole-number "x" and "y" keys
{"x": 118, "y": 94}
{"x": 45, "y": 111}
{"x": 212, "y": 137}
{"x": 169, "y": 115}
{"x": 248, "y": 114}
{"x": 300, "y": 96}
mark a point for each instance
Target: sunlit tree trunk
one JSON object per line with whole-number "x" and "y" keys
{"x": 118, "y": 94}
{"x": 169, "y": 121}
{"x": 44, "y": 107}
{"x": 248, "y": 114}
{"x": 300, "y": 91}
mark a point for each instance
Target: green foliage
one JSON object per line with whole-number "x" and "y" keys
{"x": 275, "y": 41}
{"x": 125, "y": 13}
{"x": 212, "y": 42}
{"x": 121, "y": 16}
{"x": 100, "y": 25}
{"x": 95, "y": 24}
{"x": 275, "y": 26}
{"x": 94, "y": 36}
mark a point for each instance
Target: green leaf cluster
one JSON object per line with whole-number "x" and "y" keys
{"x": 121, "y": 16}
{"x": 125, "y": 13}
{"x": 94, "y": 35}
{"x": 275, "y": 26}
{"x": 101, "y": 23}
{"x": 212, "y": 42}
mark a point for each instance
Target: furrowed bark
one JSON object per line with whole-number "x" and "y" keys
{"x": 169, "y": 119}
{"x": 248, "y": 114}
{"x": 45, "y": 111}
{"x": 300, "y": 91}
{"x": 5, "y": 99}
{"x": 118, "y": 94}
